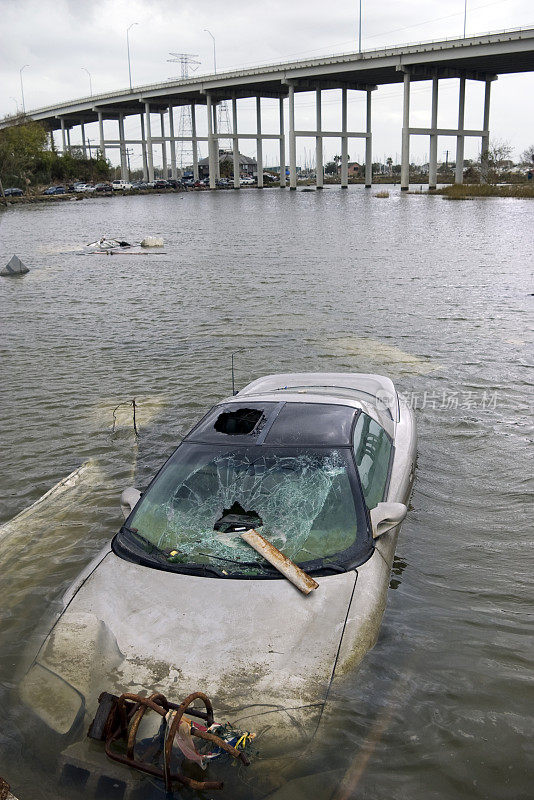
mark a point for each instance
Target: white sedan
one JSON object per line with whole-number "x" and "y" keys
{"x": 320, "y": 464}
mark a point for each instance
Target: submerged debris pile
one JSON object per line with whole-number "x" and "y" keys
{"x": 118, "y": 719}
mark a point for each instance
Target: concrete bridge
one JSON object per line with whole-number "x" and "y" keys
{"x": 480, "y": 58}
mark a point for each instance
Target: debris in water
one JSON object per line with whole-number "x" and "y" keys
{"x": 14, "y": 267}
{"x": 127, "y": 403}
{"x": 5, "y": 793}
{"x": 152, "y": 241}
{"x": 108, "y": 244}
{"x": 119, "y": 718}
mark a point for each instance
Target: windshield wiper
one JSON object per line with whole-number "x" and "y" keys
{"x": 153, "y": 547}
{"x": 332, "y": 565}
{"x": 267, "y": 567}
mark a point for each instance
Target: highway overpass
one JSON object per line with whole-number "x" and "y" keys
{"x": 479, "y": 58}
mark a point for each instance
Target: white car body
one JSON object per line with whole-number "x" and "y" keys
{"x": 268, "y": 656}
{"x": 120, "y": 185}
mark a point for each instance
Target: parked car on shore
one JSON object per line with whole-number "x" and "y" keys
{"x": 247, "y": 181}
{"x": 161, "y": 183}
{"x": 13, "y": 191}
{"x": 172, "y": 183}
{"x": 103, "y": 187}
{"x": 140, "y": 185}
{"x": 120, "y": 185}
{"x": 322, "y": 465}
{"x": 55, "y": 190}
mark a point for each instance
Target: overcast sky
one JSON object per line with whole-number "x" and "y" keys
{"x": 56, "y": 38}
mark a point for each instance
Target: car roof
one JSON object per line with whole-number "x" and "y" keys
{"x": 280, "y": 422}
{"x": 374, "y": 394}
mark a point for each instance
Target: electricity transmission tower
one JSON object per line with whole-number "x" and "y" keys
{"x": 185, "y": 125}
{"x": 223, "y": 121}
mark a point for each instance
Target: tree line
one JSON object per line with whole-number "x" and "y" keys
{"x": 29, "y": 158}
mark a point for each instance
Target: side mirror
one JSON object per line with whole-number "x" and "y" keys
{"x": 129, "y": 499}
{"x": 386, "y": 516}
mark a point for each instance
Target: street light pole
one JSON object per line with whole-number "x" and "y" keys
{"x": 465, "y": 15}
{"x": 90, "y": 81}
{"x": 214, "y": 55}
{"x": 128, "y": 48}
{"x": 360, "y": 29}
{"x": 22, "y": 88}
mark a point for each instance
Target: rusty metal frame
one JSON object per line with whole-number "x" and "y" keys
{"x": 123, "y": 720}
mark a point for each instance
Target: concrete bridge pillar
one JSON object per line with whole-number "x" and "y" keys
{"x": 485, "y": 127}
{"x": 344, "y": 142}
{"x": 405, "y": 156}
{"x": 235, "y": 152}
{"x": 63, "y": 136}
{"x": 101, "y": 134}
{"x": 122, "y": 147}
{"x": 216, "y": 141}
{"x": 282, "y": 146}
{"x": 433, "y": 157}
{"x": 319, "y": 173}
{"x": 150, "y": 154}
{"x": 84, "y": 146}
{"x": 174, "y": 173}
{"x": 368, "y": 144}
{"x": 460, "y": 139}
{"x": 211, "y": 142}
{"x": 259, "y": 144}
{"x": 292, "y": 141}
{"x": 143, "y": 148}
{"x": 163, "y": 146}
{"x": 194, "y": 141}
{"x": 68, "y": 140}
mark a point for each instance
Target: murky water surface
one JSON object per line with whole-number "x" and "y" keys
{"x": 433, "y": 293}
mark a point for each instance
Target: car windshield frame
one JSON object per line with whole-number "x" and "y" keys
{"x": 132, "y": 545}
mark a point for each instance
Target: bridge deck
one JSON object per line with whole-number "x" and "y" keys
{"x": 491, "y": 54}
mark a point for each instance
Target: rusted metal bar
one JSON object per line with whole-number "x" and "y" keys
{"x": 283, "y": 564}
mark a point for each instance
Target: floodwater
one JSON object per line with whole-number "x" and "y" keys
{"x": 432, "y": 292}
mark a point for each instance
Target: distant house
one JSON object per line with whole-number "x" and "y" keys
{"x": 247, "y": 166}
{"x": 355, "y": 170}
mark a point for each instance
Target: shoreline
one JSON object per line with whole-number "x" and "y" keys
{"x": 464, "y": 191}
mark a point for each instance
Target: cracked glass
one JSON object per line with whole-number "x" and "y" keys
{"x": 303, "y": 497}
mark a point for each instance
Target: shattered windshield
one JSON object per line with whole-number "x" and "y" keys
{"x": 301, "y": 500}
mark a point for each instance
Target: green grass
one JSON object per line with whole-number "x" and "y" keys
{"x": 462, "y": 191}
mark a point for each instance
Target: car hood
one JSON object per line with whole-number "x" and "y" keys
{"x": 255, "y": 647}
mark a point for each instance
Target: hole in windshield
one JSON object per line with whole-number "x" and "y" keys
{"x": 239, "y": 422}
{"x": 236, "y": 518}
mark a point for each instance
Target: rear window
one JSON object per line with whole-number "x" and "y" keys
{"x": 312, "y": 424}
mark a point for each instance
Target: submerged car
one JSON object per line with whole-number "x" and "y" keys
{"x": 321, "y": 464}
